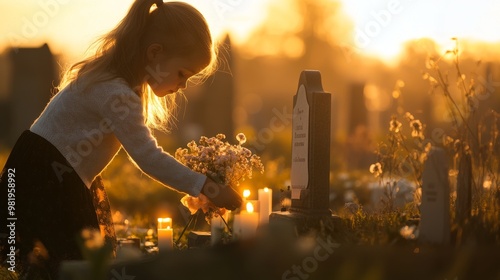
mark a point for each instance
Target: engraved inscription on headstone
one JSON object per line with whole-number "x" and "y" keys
{"x": 300, "y": 144}
{"x": 311, "y": 146}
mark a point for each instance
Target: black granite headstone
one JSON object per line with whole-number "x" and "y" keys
{"x": 310, "y": 154}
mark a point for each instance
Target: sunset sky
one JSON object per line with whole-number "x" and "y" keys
{"x": 380, "y": 26}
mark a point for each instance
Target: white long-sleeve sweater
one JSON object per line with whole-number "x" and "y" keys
{"x": 89, "y": 128}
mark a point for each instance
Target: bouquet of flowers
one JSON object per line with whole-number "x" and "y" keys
{"x": 224, "y": 163}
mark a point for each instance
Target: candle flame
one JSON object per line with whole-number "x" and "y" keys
{"x": 266, "y": 189}
{"x": 246, "y": 193}
{"x": 162, "y": 222}
{"x": 249, "y": 207}
{"x": 168, "y": 228}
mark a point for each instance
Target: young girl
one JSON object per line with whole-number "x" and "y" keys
{"x": 108, "y": 101}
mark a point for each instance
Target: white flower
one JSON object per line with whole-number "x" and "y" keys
{"x": 231, "y": 164}
{"x": 409, "y": 116}
{"x": 416, "y": 129}
{"x": 376, "y": 169}
{"x": 242, "y": 139}
{"x": 409, "y": 232}
{"x": 394, "y": 125}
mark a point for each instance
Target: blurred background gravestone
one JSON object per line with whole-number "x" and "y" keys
{"x": 33, "y": 76}
{"x": 464, "y": 189}
{"x": 210, "y": 108}
{"x": 435, "y": 207}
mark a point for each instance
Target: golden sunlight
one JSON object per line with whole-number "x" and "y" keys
{"x": 382, "y": 26}
{"x": 376, "y": 27}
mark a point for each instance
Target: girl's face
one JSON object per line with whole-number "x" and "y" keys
{"x": 166, "y": 75}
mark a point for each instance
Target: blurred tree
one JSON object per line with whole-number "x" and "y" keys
{"x": 301, "y": 29}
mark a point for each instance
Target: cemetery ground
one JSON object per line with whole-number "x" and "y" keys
{"x": 364, "y": 242}
{"x": 367, "y": 243}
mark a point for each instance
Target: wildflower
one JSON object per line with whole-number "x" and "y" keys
{"x": 409, "y": 116}
{"x": 221, "y": 136}
{"x": 417, "y": 129}
{"x": 241, "y": 138}
{"x": 422, "y": 157}
{"x": 246, "y": 152}
{"x": 409, "y": 232}
{"x": 227, "y": 164}
{"x": 394, "y": 125}
{"x": 203, "y": 140}
{"x": 430, "y": 63}
{"x": 376, "y": 169}
{"x": 192, "y": 146}
{"x": 352, "y": 207}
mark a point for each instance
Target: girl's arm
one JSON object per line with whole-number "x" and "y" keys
{"x": 124, "y": 113}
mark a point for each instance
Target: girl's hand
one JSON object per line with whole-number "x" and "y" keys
{"x": 220, "y": 195}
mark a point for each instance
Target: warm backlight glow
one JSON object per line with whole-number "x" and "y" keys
{"x": 266, "y": 189}
{"x": 381, "y": 27}
{"x": 376, "y": 27}
{"x": 250, "y": 207}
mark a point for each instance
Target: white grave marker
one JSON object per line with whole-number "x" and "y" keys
{"x": 435, "y": 207}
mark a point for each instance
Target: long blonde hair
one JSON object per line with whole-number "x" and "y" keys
{"x": 178, "y": 27}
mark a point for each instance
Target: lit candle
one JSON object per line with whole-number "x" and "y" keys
{"x": 265, "y": 205}
{"x": 245, "y": 224}
{"x": 164, "y": 222}
{"x": 246, "y": 195}
{"x": 165, "y": 234}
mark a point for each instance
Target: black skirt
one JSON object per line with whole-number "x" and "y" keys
{"x": 49, "y": 207}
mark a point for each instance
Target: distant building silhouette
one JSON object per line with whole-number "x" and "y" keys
{"x": 33, "y": 75}
{"x": 357, "y": 112}
{"x": 210, "y": 110}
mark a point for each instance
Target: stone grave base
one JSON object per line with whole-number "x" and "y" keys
{"x": 199, "y": 239}
{"x": 303, "y": 221}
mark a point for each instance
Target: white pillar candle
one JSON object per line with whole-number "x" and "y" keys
{"x": 165, "y": 234}
{"x": 237, "y": 226}
{"x": 265, "y": 205}
{"x": 217, "y": 228}
{"x": 245, "y": 224}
